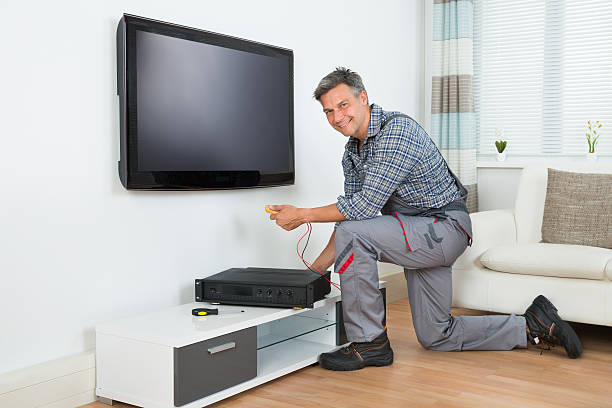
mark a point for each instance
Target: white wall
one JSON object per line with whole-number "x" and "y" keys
{"x": 77, "y": 248}
{"x": 497, "y": 187}
{"x": 498, "y": 182}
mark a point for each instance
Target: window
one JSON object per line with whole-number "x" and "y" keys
{"x": 542, "y": 68}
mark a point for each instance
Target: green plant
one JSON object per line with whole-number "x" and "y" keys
{"x": 500, "y": 145}
{"x": 592, "y": 136}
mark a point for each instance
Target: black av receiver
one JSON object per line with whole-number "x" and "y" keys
{"x": 264, "y": 287}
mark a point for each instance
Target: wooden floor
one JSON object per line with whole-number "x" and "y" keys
{"x": 421, "y": 378}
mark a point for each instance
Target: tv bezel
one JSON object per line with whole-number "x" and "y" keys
{"x": 134, "y": 179}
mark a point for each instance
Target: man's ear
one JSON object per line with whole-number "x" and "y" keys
{"x": 363, "y": 98}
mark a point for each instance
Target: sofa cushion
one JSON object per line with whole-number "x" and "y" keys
{"x": 578, "y": 209}
{"x": 564, "y": 261}
{"x": 609, "y": 269}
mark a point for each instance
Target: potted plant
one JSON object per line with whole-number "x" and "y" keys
{"x": 500, "y": 145}
{"x": 592, "y": 137}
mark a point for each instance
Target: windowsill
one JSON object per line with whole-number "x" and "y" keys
{"x": 520, "y": 162}
{"x": 507, "y": 164}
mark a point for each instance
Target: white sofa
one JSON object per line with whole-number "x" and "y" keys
{"x": 577, "y": 279}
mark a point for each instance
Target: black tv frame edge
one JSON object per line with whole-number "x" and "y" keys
{"x": 132, "y": 179}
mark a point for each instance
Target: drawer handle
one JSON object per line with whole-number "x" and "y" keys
{"x": 222, "y": 347}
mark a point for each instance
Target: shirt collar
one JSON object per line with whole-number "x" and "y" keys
{"x": 375, "y": 120}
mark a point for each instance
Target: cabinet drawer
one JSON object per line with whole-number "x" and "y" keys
{"x": 203, "y": 368}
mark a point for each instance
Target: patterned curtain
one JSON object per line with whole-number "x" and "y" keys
{"x": 452, "y": 99}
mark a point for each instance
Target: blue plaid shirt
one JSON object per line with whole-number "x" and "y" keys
{"x": 400, "y": 159}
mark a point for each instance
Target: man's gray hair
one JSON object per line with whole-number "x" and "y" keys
{"x": 340, "y": 76}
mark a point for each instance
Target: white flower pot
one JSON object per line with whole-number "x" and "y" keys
{"x": 591, "y": 157}
{"x": 501, "y": 156}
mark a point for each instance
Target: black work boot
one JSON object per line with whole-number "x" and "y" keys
{"x": 545, "y": 325}
{"x": 358, "y": 355}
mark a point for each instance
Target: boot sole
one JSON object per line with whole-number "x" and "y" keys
{"x": 375, "y": 362}
{"x": 570, "y": 339}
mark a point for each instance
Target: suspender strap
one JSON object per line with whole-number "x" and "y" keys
{"x": 395, "y": 115}
{"x": 453, "y": 206}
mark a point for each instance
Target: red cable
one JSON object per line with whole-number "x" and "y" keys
{"x": 335, "y": 285}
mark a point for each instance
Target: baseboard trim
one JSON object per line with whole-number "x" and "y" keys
{"x": 63, "y": 383}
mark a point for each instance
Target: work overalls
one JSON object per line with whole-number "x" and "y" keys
{"x": 425, "y": 242}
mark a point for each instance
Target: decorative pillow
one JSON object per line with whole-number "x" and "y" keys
{"x": 578, "y": 209}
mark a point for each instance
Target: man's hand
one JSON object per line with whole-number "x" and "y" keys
{"x": 288, "y": 217}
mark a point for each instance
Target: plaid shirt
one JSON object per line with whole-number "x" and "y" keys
{"x": 400, "y": 159}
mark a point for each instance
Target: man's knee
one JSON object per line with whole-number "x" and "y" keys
{"x": 428, "y": 341}
{"x": 436, "y": 336}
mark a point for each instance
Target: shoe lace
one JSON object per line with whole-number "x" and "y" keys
{"x": 548, "y": 346}
{"x": 543, "y": 342}
{"x": 355, "y": 346}
{"x": 349, "y": 348}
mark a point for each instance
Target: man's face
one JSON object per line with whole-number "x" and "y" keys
{"x": 346, "y": 113}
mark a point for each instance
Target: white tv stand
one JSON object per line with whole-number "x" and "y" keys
{"x": 170, "y": 358}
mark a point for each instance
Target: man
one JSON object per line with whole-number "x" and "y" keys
{"x": 391, "y": 166}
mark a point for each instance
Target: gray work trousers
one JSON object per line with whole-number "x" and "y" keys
{"x": 426, "y": 247}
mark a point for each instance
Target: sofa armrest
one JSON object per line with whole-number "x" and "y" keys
{"x": 489, "y": 229}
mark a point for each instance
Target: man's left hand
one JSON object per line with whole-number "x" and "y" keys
{"x": 288, "y": 217}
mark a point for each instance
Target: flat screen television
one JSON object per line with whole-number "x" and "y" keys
{"x": 201, "y": 110}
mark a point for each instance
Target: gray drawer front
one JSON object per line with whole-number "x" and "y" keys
{"x": 210, "y": 366}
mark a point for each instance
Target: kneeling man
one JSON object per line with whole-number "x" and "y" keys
{"x": 391, "y": 166}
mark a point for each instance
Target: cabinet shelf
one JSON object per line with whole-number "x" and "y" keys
{"x": 278, "y": 331}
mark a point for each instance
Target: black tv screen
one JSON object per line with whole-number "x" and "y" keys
{"x": 201, "y": 110}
